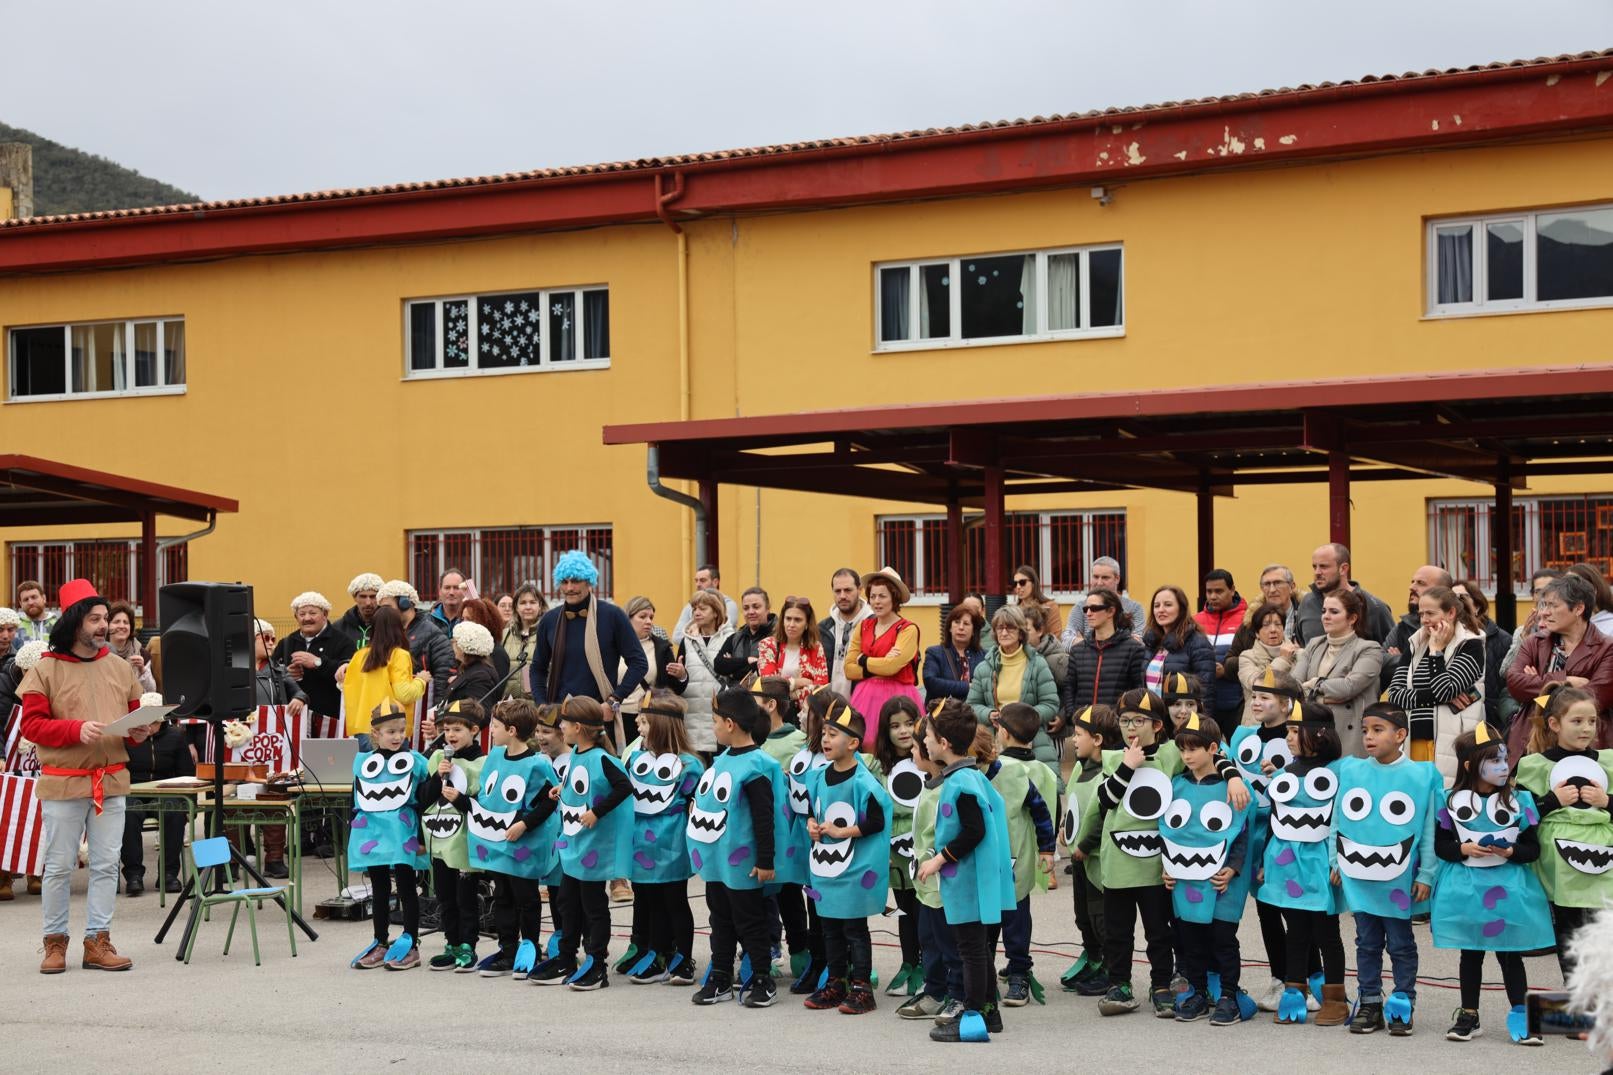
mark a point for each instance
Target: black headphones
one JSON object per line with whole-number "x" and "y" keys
{"x": 404, "y": 604}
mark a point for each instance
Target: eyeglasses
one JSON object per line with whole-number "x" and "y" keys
{"x": 1134, "y": 722}
{"x": 1022, "y": 582}
{"x": 1093, "y": 610}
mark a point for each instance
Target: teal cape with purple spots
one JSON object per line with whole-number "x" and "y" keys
{"x": 848, "y": 878}
{"x": 663, "y": 784}
{"x": 1297, "y": 861}
{"x": 606, "y": 850}
{"x": 721, "y": 838}
{"x": 981, "y": 886}
{"x": 510, "y": 787}
{"x": 1383, "y": 824}
{"x": 386, "y": 824}
{"x": 1489, "y": 904}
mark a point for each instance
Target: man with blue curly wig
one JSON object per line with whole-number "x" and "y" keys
{"x": 583, "y": 642}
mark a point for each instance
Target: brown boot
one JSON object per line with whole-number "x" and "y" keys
{"x": 6, "y": 895}
{"x": 55, "y": 954}
{"x": 34, "y": 884}
{"x": 1335, "y": 1010}
{"x": 100, "y": 955}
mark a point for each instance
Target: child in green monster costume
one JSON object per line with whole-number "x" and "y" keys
{"x": 1030, "y": 790}
{"x": 456, "y": 771}
{"x": 1095, "y": 730}
{"x": 893, "y": 749}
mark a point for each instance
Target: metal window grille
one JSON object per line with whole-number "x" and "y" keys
{"x": 500, "y": 559}
{"x": 1547, "y": 532}
{"x": 1060, "y": 545}
{"x": 112, "y": 564}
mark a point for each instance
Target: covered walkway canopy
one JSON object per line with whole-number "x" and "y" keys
{"x": 1494, "y": 427}
{"x": 42, "y": 492}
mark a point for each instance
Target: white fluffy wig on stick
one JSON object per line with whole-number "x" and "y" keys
{"x": 1591, "y": 983}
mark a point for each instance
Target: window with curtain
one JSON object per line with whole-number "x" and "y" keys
{"x": 992, "y": 298}
{"x": 1504, "y": 262}
{"x": 97, "y": 358}
{"x": 507, "y": 331}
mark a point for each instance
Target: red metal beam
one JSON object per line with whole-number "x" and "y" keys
{"x": 165, "y": 499}
{"x": 1338, "y": 498}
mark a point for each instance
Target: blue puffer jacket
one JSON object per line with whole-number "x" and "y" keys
{"x": 1194, "y": 657}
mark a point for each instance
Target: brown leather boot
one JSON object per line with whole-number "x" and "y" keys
{"x": 1335, "y": 1010}
{"x": 100, "y": 955}
{"x": 6, "y": 895}
{"x": 55, "y": 954}
{"x": 35, "y": 884}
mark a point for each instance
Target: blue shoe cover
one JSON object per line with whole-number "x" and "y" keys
{"x": 582, "y": 969}
{"x": 526, "y": 957}
{"x": 972, "y": 1027}
{"x": 368, "y": 948}
{"x": 745, "y": 975}
{"x": 1246, "y": 1006}
{"x": 400, "y": 947}
{"x": 553, "y": 949}
{"x": 1291, "y": 1008}
{"x": 1397, "y": 1008}
{"x": 1212, "y": 986}
{"x": 1316, "y": 981}
{"x": 1518, "y": 1023}
{"x": 644, "y": 963}
{"x": 1182, "y": 997}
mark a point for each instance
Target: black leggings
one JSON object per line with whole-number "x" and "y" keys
{"x": 1315, "y": 929}
{"x": 1121, "y": 909}
{"x": 738, "y": 918}
{"x": 381, "y": 900}
{"x": 667, "y": 925}
{"x": 1513, "y": 976}
{"x": 586, "y": 910}
{"x": 458, "y": 903}
{"x": 907, "y": 925}
{"x": 979, "y": 973}
{"x": 803, "y": 931}
{"x": 1565, "y": 922}
{"x": 1276, "y": 941}
{"x": 517, "y": 911}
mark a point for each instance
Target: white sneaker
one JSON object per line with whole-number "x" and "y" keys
{"x": 1271, "y": 997}
{"x": 1310, "y": 1001}
{"x": 953, "y": 1009}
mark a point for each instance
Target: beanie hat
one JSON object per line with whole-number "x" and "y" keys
{"x": 474, "y": 639}
{"x": 369, "y": 580}
{"x": 310, "y": 597}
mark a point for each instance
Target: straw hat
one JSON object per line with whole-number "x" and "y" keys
{"x": 888, "y": 574}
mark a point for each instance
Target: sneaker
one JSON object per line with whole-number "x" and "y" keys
{"x": 951, "y": 1008}
{"x": 1466, "y": 1027}
{"x": 1268, "y": 1000}
{"x": 1118, "y": 1001}
{"x": 621, "y": 891}
{"x": 993, "y": 1015}
{"x": 408, "y": 961}
{"x": 276, "y": 869}
{"x": 716, "y": 989}
{"x": 830, "y": 996}
{"x": 592, "y": 976}
{"x": 1019, "y": 991}
{"x": 1226, "y": 1012}
{"x": 1398, "y": 1029}
{"x": 465, "y": 960}
{"x": 447, "y": 960}
{"x": 1195, "y": 1006}
{"x": 1095, "y": 986}
{"x": 762, "y": 993}
{"x": 1164, "y": 1001}
{"x": 680, "y": 971}
{"x": 949, "y": 1031}
{"x": 806, "y": 983}
{"x": 1368, "y": 1017}
{"x": 859, "y": 1000}
{"x": 496, "y": 965}
{"x": 374, "y": 957}
{"x": 922, "y": 1006}
{"x": 553, "y": 971}
{"x": 650, "y": 974}
{"x": 629, "y": 958}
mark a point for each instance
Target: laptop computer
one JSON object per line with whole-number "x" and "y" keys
{"x": 328, "y": 761}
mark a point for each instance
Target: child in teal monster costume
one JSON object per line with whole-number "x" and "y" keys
{"x": 385, "y": 837}
{"x": 790, "y": 916}
{"x": 455, "y": 771}
{"x": 974, "y": 863}
{"x": 1030, "y": 790}
{"x": 664, "y": 772}
{"x": 1486, "y": 896}
{"x": 893, "y": 748}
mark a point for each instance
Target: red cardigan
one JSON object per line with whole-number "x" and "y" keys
{"x": 813, "y": 666}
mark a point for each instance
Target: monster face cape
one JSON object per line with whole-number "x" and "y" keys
{"x": 722, "y": 840}
{"x": 1383, "y": 822}
{"x": 1248, "y": 751}
{"x": 1131, "y": 845}
{"x": 1197, "y": 832}
{"x": 510, "y": 788}
{"x": 783, "y": 744}
{"x": 1296, "y": 858}
{"x": 981, "y": 887}
{"x": 802, "y": 764}
{"x": 606, "y": 850}
{"x": 1489, "y": 904}
{"x": 849, "y": 878}
{"x": 444, "y": 822}
{"x": 1576, "y": 842}
{"x": 386, "y": 829}
{"x": 662, "y": 787}
{"x": 1013, "y": 780}
{"x": 1081, "y": 819}
{"x": 924, "y": 815}
{"x": 904, "y": 785}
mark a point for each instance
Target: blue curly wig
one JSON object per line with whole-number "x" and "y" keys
{"x": 575, "y": 565}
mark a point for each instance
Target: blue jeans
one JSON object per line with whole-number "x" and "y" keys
{"x": 1374, "y": 933}
{"x": 1016, "y": 937}
{"x": 66, "y": 820}
{"x": 943, "y": 966}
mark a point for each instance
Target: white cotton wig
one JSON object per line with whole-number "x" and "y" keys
{"x": 368, "y": 580}
{"x": 310, "y": 597}
{"x": 152, "y": 698}
{"x": 473, "y": 639}
{"x": 262, "y": 627}
{"x": 9, "y": 618}
{"x": 1591, "y": 984}
{"x": 395, "y": 589}
{"x": 30, "y": 654}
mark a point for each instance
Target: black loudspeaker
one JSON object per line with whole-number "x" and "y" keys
{"x": 207, "y": 658}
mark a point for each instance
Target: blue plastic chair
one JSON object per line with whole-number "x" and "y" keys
{"x": 212, "y": 854}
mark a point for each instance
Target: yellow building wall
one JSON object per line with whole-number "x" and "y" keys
{"x": 297, "y": 406}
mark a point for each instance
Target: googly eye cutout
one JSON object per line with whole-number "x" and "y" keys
{"x": 457, "y": 778}
{"x": 1357, "y": 803}
{"x": 723, "y": 787}
{"x": 489, "y": 784}
{"x": 1284, "y": 786}
{"x": 706, "y": 780}
{"x": 1215, "y": 816}
{"x": 578, "y": 781}
{"x": 399, "y": 764}
{"x": 819, "y": 761}
{"x": 800, "y": 763}
{"x": 1180, "y": 813}
{"x": 1397, "y": 808}
{"x": 642, "y": 765}
{"x": 1277, "y": 752}
{"x": 905, "y": 783}
{"x": 1148, "y": 795}
{"x": 1248, "y": 753}
{"x": 512, "y": 789}
{"x": 838, "y": 814}
{"x": 1464, "y": 806}
{"x": 1499, "y": 812}
{"x": 1070, "y": 824}
{"x": 1321, "y": 784}
{"x": 667, "y": 766}
{"x": 372, "y": 767}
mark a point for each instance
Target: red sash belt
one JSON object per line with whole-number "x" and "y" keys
{"x": 96, "y": 775}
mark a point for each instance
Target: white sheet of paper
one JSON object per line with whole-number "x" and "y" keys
{"x": 140, "y": 718}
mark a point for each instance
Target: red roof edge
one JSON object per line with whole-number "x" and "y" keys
{"x": 90, "y": 485}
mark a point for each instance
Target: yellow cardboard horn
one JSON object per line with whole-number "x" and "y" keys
{"x": 1481, "y": 734}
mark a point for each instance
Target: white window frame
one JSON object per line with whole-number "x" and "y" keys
{"x": 1044, "y": 544}
{"x": 955, "y": 300}
{"x": 1481, "y": 305}
{"x": 476, "y": 534}
{"x": 473, "y": 341}
{"x": 161, "y": 388}
{"x": 1532, "y": 556}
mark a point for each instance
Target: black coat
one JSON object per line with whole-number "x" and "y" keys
{"x": 665, "y": 655}
{"x": 431, "y": 651}
{"x": 161, "y": 757}
{"x": 734, "y": 661}
{"x": 1098, "y": 673}
{"x": 319, "y": 685}
{"x": 353, "y": 626}
{"x": 477, "y": 683}
{"x": 10, "y": 679}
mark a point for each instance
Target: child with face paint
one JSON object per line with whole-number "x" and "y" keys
{"x": 1382, "y": 838}
{"x": 1261, "y": 751}
{"x": 941, "y": 986}
{"x": 385, "y": 837}
{"x": 1094, "y": 730}
{"x": 1205, "y": 858}
{"x": 664, "y": 772}
{"x": 511, "y": 826}
{"x": 455, "y": 771}
{"x": 1296, "y": 871}
{"x": 1486, "y": 897}
{"x": 848, "y": 864}
{"x": 1569, "y": 779}
{"x": 893, "y": 749}
{"x": 973, "y": 862}
{"x": 1184, "y": 697}
{"x": 1031, "y": 791}
{"x": 595, "y": 845}
{"x": 739, "y": 809}
{"x": 1134, "y": 795}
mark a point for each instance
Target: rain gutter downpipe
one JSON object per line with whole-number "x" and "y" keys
{"x": 652, "y": 475}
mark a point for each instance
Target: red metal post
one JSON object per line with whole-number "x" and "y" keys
{"x": 996, "y": 574}
{"x": 1206, "y": 521}
{"x": 1506, "y": 602}
{"x": 955, "y": 581}
{"x": 148, "y": 568}
{"x": 1338, "y": 497}
{"x": 708, "y": 497}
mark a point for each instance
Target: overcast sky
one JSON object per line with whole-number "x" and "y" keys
{"x": 234, "y": 99}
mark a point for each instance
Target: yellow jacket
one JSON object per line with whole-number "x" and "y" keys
{"x": 362, "y": 691}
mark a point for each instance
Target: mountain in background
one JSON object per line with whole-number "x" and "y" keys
{"x": 69, "y": 180}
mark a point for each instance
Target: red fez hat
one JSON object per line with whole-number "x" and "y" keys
{"x": 75, "y": 590}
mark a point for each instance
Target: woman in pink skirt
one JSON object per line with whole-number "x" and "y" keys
{"x": 882, "y": 659}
